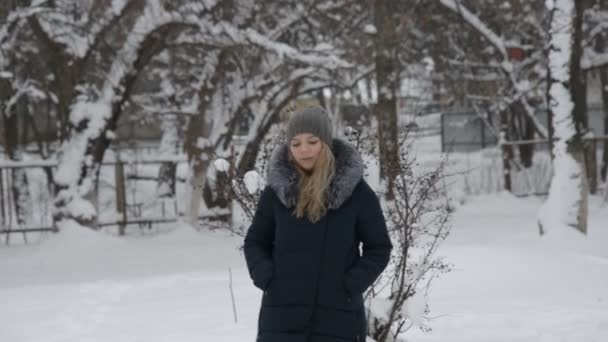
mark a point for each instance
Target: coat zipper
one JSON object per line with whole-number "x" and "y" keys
{"x": 314, "y": 308}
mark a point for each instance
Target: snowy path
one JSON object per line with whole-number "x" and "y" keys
{"x": 507, "y": 284}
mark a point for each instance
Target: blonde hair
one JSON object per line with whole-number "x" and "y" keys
{"x": 313, "y": 185}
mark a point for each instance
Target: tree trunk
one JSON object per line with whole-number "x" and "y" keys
{"x": 526, "y": 132}
{"x": 579, "y": 94}
{"x": 550, "y": 126}
{"x": 250, "y": 154}
{"x": 282, "y": 97}
{"x": 578, "y": 153}
{"x": 507, "y": 150}
{"x": 577, "y": 75}
{"x": 168, "y": 147}
{"x": 321, "y": 98}
{"x": 566, "y": 204}
{"x": 604, "y": 81}
{"x": 85, "y": 148}
{"x": 15, "y": 143}
{"x": 199, "y": 149}
{"x": 65, "y": 71}
{"x": 387, "y": 84}
{"x": 11, "y": 129}
{"x": 200, "y": 144}
{"x": 600, "y": 47}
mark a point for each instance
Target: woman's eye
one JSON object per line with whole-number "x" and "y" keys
{"x": 313, "y": 142}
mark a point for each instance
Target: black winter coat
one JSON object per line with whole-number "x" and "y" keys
{"x": 313, "y": 274}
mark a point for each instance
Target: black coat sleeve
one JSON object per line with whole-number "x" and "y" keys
{"x": 371, "y": 230}
{"x": 259, "y": 241}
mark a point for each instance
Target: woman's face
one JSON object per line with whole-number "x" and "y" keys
{"x": 305, "y": 149}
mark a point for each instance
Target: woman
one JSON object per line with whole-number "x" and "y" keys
{"x": 302, "y": 248}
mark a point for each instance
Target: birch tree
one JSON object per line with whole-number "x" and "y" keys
{"x": 566, "y": 205}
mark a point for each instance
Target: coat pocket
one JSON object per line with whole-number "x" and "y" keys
{"x": 262, "y": 274}
{"x": 268, "y": 285}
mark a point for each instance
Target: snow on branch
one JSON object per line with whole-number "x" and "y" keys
{"x": 252, "y": 36}
{"x": 90, "y": 116}
{"x": 474, "y": 21}
{"x": 12, "y": 21}
{"x": 506, "y": 65}
{"x": 99, "y": 28}
{"x": 593, "y": 60}
{"x": 96, "y": 113}
{"x": 28, "y": 88}
{"x": 330, "y": 61}
{"x": 600, "y": 18}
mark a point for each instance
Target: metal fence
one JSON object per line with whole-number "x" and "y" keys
{"x": 128, "y": 202}
{"x": 465, "y": 131}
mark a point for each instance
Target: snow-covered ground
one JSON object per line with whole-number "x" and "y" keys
{"x": 508, "y": 284}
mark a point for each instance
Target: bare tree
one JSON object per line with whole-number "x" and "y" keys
{"x": 387, "y": 84}
{"x": 418, "y": 222}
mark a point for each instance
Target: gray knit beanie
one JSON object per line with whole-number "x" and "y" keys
{"x": 313, "y": 120}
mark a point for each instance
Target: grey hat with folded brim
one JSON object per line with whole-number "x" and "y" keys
{"x": 313, "y": 120}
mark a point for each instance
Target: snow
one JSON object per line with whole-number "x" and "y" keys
{"x": 73, "y": 151}
{"x": 61, "y": 27}
{"x": 592, "y": 59}
{"x": 370, "y": 29}
{"x": 222, "y": 165}
{"x": 508, "y": 284}
{"x": 117, "y": 6}
{"x": 203, "y": 143}
{"x": 380, "y": 308}
{"x": 511, "y": 285}
{"x": 13, "y": 18}
{"x": 253, "y": 181}
{"x": 414, "y": 308}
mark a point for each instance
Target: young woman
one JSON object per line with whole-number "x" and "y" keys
{"x": 302, "y": 248}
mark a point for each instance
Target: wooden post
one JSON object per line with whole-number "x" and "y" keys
{"x": 591, "y": 163}
{"x": 507, "y": 156}
{"x": 9, "y": 199}
{"x": 483, "y": 134}
{"x": 9, "y": 205}
{"x": 507, "y": 150}
{"x": 442, "y": 132}
{"x": 4, "y": 218}
{"x": 577, "y": 149}
{"x": 2, "y": 198}
{"x": 232, "y": 295}
{"x": 121, "y": 201}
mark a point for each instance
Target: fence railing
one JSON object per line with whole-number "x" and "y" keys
{"x": 592, "y": 150}
{"x": 128, "y": 213}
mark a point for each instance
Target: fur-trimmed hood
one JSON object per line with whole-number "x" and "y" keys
{"x": 282, "y": 176}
